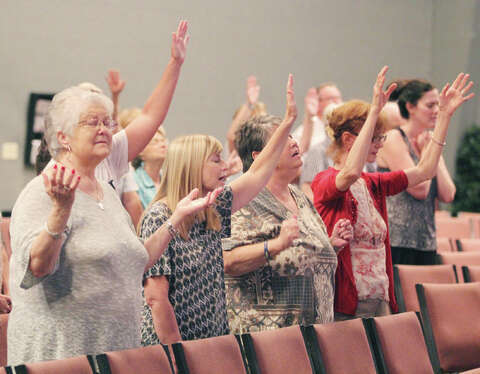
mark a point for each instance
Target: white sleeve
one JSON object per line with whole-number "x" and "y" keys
{"x": 116, "y": 164}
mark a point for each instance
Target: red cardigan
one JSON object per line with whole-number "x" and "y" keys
{"x": 333, "y": 204}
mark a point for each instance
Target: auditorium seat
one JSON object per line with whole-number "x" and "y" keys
{"x": 451, "y": 319}
{"x": 456, "y": 228}
{"x": 399, "y": 344}
{"x": 222, "y": 354}
{"x": 74, "y": 365}
{"x": 406, "y": 276}
{"x": 445, "y": 245}
{"x": 341, "y": 347}
{"x": 459, "y": 259}
{"x": 471, "y": 273}
{"x": 468, "y": 245}
{"x": 146, "y": 360}
{"x": 277, "y": 351}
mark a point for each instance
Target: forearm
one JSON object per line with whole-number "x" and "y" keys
{"x": 115, "y": 106}
{"x": 159, "y": 101}
{"x": 248, "y": 258}
{"x": 357, "y": 157}
{"x": 446, "y": 186}
{"x": 427, "y": 166}
{"x": 242, "y": 115}
{"x": 45, "y": 249}
{"x": 307, "y": 133}
{"x": 143, "y": 128}
{"x": 165, "y": 322}
{"x": 157, "y": 243}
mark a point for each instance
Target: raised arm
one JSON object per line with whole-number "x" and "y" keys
{"x": 60, "y": 185}
{"x": 116, "y": 86}
{"x": 254, "y": 180}
{"x": 245, "y": 111}
{"x": 451, "y": 98}
{"x": 357, "y": 157}
{"x": 142, "y": 129}
{"x": 311, "y": 108}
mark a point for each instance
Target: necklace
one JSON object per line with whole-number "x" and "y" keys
{"x": 99, "y": 203}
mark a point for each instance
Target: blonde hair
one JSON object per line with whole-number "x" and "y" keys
{"x": 348, "y": 117}
{"x": 182, "y": 172}
{"x": 126, "y": 116}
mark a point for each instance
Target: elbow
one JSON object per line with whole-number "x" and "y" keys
{"x": 449, "y": 197}
{"x": 229, "y": 265}
{"x": 39, "y": 270}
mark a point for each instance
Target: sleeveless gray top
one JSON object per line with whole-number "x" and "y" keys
{"x": 411, "y": 221}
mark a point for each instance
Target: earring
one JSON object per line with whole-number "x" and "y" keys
{"x": 69, "y": 149}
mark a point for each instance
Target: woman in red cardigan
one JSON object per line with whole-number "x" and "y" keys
{"x": 364, "y": 277}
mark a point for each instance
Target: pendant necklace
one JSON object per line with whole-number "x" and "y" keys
{"x": 99, "y": 203}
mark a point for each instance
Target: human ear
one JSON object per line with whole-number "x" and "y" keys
{"x": 255, "y": 154}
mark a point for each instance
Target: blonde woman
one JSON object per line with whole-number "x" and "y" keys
{"x": 185, "y": 291}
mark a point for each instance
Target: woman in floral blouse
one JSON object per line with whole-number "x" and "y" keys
{"x": 364, "y": 277}
{"x": 279, "y": 261}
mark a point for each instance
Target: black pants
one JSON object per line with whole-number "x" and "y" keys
{"x": 410, "y": 256}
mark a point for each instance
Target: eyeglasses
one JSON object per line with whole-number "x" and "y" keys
{"x": 94, "y": 122}
{"x": 375, "y": 139}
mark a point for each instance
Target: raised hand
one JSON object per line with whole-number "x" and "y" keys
{"x": 452, "y": 97}
{"x": 179, "y": 42}
{"x": 114, "y": 82}
{"x": 253, "y": 90}
{"x": 380, "y": 97}
{"x": 60, "y": 185}
{"x": 311, "y": 102}
{"x": 342, "y": 234}
{"x": 191, "y": 203}
{"x": 5, "y": 304}
{"x": 289, "y": 232}
{"x": 291, "y": 111}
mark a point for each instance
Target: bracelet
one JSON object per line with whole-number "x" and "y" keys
{"x": 437, "y": 142}
{"x": 171, "y": 230}
{"x": 265, "y": 251}
{"x": 54, "y": 235}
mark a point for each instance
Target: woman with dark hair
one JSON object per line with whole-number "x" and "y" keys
{"x": 411, "y": 213}
{"x": 364, "y": 277}
{"x": 279, "y": 259}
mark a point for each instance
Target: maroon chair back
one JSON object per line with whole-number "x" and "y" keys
{"x": 445, "y": 245}
{"x": 456, "y": 228}
{"x": 451, "y": 317}
{"x": 345, "y": 348}
{"x": 468, "y": 245}
{"x": 277, "y": 351}
{"x": 471, "y": 273}
{"x": 459, "y": 259}
{"x": 221, "y": 354}
{"x": 400, "y": 344}
{"x": 145, "y": 360}
{"x": 74, "y": 365}
{"x": 407, "y": 276}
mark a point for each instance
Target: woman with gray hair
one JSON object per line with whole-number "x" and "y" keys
{"x": 73, "y": 244}
{"x": 280, "y": 262}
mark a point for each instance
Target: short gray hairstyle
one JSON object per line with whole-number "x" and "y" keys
{"x": 64, "y": 113}
{"x": 253, "y": 135}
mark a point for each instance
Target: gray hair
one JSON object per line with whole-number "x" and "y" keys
{"x": 253, "y": 135}
{"x": 64, "y": 113}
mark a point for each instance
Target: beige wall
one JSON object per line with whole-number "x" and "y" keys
{"x": 49, "y": 45}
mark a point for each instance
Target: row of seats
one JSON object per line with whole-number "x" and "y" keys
{"x": 466, "y": 225}
{"x": 445, "y": 339}
{"x": 446, "y": 245}
{"x": 406, "y": 277}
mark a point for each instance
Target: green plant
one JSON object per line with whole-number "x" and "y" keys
{"x": 467, "y": 178}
